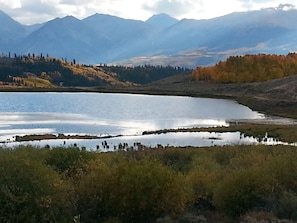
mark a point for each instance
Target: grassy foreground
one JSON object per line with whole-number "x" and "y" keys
{"x": 218, "y": 184}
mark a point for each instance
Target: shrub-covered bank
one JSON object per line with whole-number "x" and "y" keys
{"x": 226, "y": 184}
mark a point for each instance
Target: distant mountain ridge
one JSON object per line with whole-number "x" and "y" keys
{"x": 161, "y": 40}
{"x": 10, "y": 30}
{"x": 162, "y": 21}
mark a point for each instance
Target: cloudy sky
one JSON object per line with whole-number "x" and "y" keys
{"x": 38, "y": 11}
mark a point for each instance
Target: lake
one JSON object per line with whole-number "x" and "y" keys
{"x": 107, "y": 114}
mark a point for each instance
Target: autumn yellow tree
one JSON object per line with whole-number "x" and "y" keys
{"x": 248, "y": 68}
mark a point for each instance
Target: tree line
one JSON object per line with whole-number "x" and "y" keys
{"x": 248, "y": 68}
{"x": 144, "y": 74}
{"x": 21, "y": 70}
{"x": 230, "y": 184}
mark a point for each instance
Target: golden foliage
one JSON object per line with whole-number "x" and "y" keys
{"x": 248, "y": 68}
{"x": 92, "y": 72}
{"x": 33, "y": 82}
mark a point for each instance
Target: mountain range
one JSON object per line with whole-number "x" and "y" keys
{"x": 161, "y": 40}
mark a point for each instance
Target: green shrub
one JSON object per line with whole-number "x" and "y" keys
{"x": 281, "y": 173}
{"x": 281, "y": 180}
{"x": 204, "y": 175}
{"x": 224, "y": 154}
{"x": 31, "y": 191}
{"x": 202, "y": 186}
{"x": 239, "y": 192}
{"x": 66, "y": 160}
{"x": 176, "y": 158}
{"x": 286, "y": 207}
{"x": 130, "y": 190}
{"x": 141, "y": 186}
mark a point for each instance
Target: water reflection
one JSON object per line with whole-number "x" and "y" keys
{"x": 184, "y": 139}
{"x": 118, "y": 114}
{"x": 38, "y": 118}
{"x": 68, "y": 123}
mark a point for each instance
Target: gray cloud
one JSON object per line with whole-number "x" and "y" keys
{"x": 37, "y": 11}
{"x": 286, "y": 6}
{"x": 254, "y": 1}
{"x": 32, "y": 11}
{"x": 174, "y": 8}
{"x": 40, "y": 7}
{"x": 250, "y": 3}
{"x": 69, "y": 2}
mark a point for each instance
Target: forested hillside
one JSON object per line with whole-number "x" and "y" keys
{"x": 42, "y": 72}
{"x": 144, "y": 74}
{"x": 248, "y": 68}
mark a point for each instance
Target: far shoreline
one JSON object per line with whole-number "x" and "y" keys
{"x": 242, "y": 126}
{"x": 236, "y": 92}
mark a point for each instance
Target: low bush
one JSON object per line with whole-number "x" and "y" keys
{"x": 240, "y": 192}
{"x": 69, "y": 184}
{"x": 31, "y": 191}
{"x": 67, "y": 160}
{"x": 134, "y": 191}
{"x": 286, "y": 207}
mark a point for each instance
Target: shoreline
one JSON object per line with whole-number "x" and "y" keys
{"x": 286, "y": 132}
{"x": 245, "y": 94}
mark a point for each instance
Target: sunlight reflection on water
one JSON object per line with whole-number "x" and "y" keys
{"x": 29, "y": 123}
{"x": 185, "y": 139}
{"x": 119, "y": 114}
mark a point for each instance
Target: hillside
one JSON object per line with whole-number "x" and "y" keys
{"x": 44, "y": 72}
{"x": 161, "y": 40}
{"x": 33, "y": 71}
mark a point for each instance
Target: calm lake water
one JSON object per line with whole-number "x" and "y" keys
{"x": 104, "y": 114}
